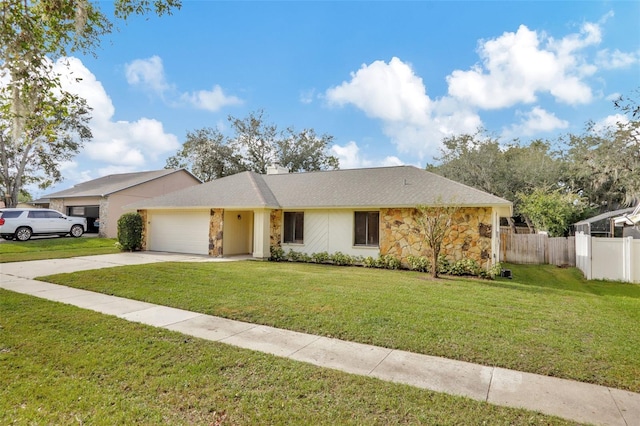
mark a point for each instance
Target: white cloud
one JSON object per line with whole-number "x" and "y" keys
{"x": 210, "y": 100}
{"x": 148, "y": 74}
{"x": 306, "y": 96}
{"x": 535, "y": 121}
{"x": 394, "y": 94}
{"x": 117, "y": 143}
{"x": 609, "y": 122}
{"x": 516, "y": 67}
{"x": 616, "y": 59}
{"x": 350, "y": 157}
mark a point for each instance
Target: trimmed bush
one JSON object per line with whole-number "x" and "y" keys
{"x": 341, "y": 259}
{"x": 418, "y": 263}
{"x": 389, "y": 261}
{"x": 130, "y": 232}
{"x": 277, "y": 254}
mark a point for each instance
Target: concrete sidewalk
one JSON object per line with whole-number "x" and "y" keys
{"x": 581, "y": 402}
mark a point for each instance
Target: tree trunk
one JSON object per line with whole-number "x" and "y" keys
{"x": 434, "y": 262}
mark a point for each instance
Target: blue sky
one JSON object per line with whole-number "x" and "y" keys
{"x": 389, "y": 80}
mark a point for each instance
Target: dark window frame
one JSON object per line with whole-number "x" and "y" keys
{"x": 293, "y": 228}
{"x": 366, "y": 229}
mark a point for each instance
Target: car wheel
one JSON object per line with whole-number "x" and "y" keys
{"x": 23, "y": 234}
{"x": 8, "y": 237}
{"x": 76, "y": 231}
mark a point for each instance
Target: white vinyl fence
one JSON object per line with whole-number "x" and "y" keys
{"x": 616, "y": 259}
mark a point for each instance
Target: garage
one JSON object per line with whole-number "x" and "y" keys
{"x": 179, "y": 232}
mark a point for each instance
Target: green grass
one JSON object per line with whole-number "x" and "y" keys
{"x": 55, "y": 248}
{"x": 64, "y": 365}
{"x": 546, "y": 320}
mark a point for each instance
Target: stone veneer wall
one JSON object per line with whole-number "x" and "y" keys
{"x": 145, "y": 229}
{"x": 216, "y": 224}
{"x": 104, "y": 217}
{"x": 469, "y": 236}
{"x": 275, "y": 233}
{"x": 57, "y": 204}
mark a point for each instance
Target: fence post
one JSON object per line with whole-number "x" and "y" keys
{"x": 626, "y": 258}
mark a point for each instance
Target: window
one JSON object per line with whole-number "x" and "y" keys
{"x": 10, "y": 214}
{"x": 38, "y": 214}
{"x": 366, "y": 228}
{"x": 294, "y": 227}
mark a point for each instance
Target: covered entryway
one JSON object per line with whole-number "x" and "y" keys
{"x": 238, "y": 232}
{"x": 178, "y": 231}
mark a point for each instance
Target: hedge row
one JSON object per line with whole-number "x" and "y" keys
{"x": 464, "y": 267}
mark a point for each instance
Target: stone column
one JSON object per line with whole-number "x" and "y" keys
{"x": 216, "y": 227}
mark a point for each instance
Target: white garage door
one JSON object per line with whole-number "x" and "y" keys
{"x": 179, "y": 232}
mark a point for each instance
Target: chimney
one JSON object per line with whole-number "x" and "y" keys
{"x": 277, "y": 169}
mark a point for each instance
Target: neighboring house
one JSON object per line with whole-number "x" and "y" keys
{"x": 603, "y": 225}
{"x": 365, "y": 212}
{"x": 102, "y": 199}
{"x": 630, "y": 223}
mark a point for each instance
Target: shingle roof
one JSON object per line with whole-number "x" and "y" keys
{"x": 107, "y": 185}
{"x": 401, "y": 186}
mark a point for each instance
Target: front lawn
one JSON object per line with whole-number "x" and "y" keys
{"x": 64, "y": 365}
{"x": 546, "y": 320}
{"x": 55, "y": 248}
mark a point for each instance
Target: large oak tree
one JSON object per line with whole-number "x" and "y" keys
{"x": 42, "y": 124}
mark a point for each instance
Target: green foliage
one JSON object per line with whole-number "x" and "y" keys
{"x": 341, "y": 259}
{"x": 320, "y": 257}
{"x": 551, "y": 211}
{"x": 369, "y": 262}
{"x": 293, "y": 255}
{"x": 418, "y": 263}
{"x": 605, "y": 162}
{"x": 255, "y": 145}
{"x": 388, "y": 261}
{"x": 482, "y": 161}
{"x": 443, "y": 264}
{"x": 465, "y": 267}
{"x": 491, "y": 273}
{"x": 277, "y": 254}
{"x": 42, "y": 125}
{"x": 130, "y": 231}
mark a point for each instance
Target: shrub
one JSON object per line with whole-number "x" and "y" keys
{"x": 369, "y": 262}
{"x": 465, "y": 267}
{"x": 418, "y": 263}
{"x": 492, "y": 272}
{"x": 130, "y": 231}
{"x": 341, "y": 259}
{"x": 321, "y": 257}
{"x": 388, "y": 261}
{"x": 277, "y": 254}
{"x": 294, "y": 256}
{"x": 444, "y": 266}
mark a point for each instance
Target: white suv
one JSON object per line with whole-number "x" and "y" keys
{"x": 21, "y": 224}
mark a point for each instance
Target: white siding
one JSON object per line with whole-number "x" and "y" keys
{"x": 330, "y": 231}
{"x": 179, "y": 232}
